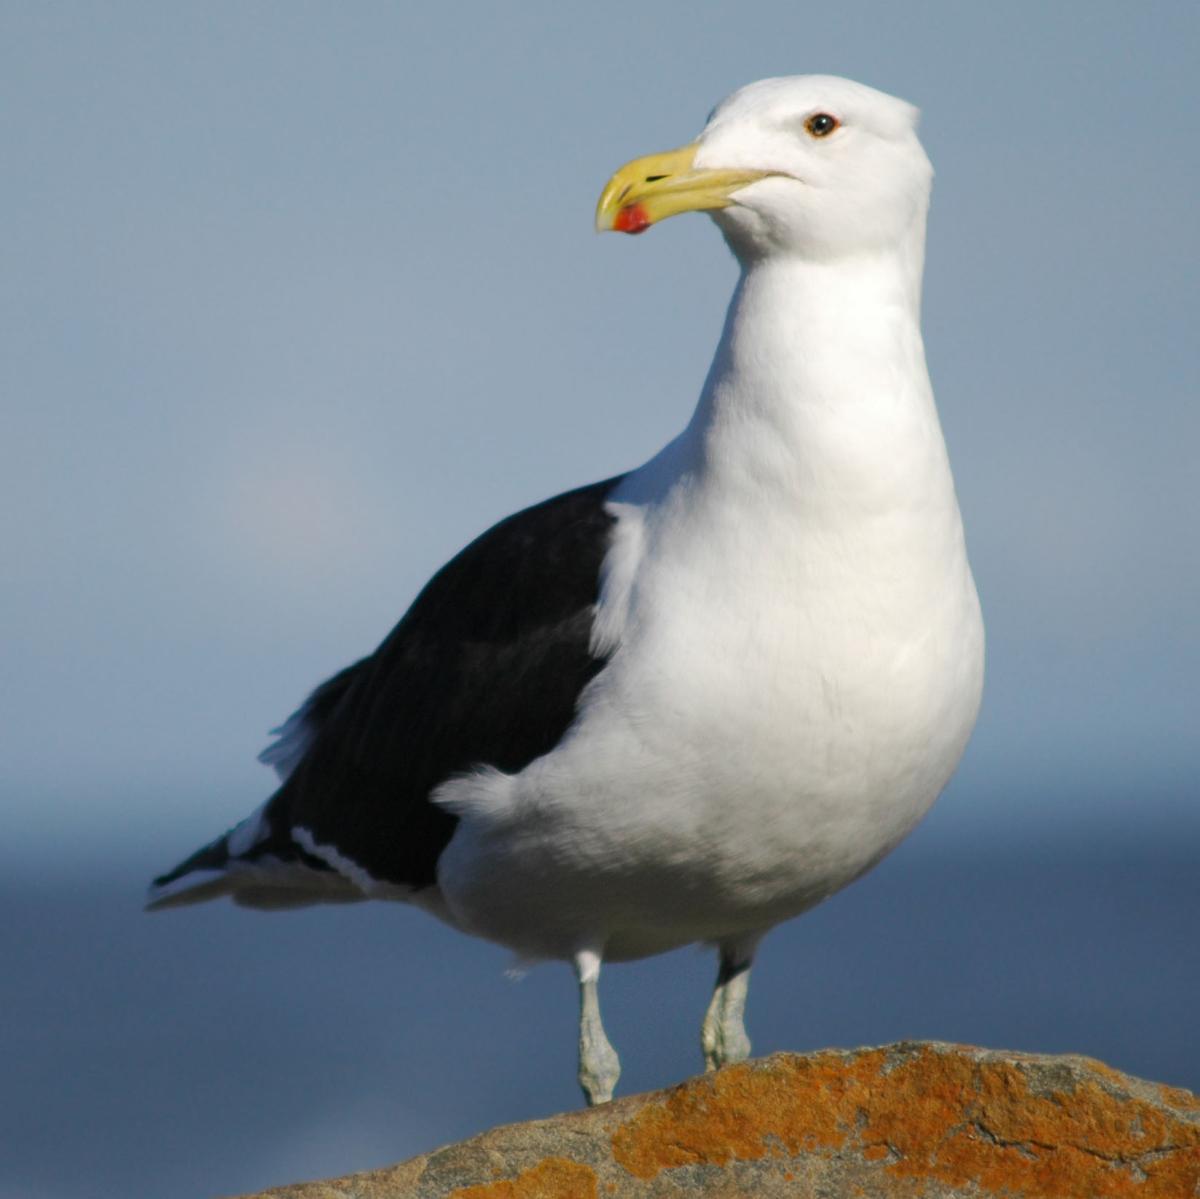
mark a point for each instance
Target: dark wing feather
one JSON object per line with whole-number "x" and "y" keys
{"x": 486, "y": 668}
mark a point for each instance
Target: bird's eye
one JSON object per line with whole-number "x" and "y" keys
{"x": 821, "y": 124}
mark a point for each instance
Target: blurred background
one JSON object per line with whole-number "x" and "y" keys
{"x": 300, "y": 297}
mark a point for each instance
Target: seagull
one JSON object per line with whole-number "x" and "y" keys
{"x": 690, "y": 702}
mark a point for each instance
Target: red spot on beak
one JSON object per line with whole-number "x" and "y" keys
{"x": 632, "y": 219}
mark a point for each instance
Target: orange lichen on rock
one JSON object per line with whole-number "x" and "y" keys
{"x": 911, "y": 1121}
{"x": 929, "y": 1114}
{"x": 746, "y": 1112}
{"x": 1176, "y": 1097}
{"x": 551, "y": 1178}
{"x": 982, "y": 1122}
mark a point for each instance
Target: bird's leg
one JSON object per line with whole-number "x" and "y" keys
{"x": 599, "y": 1066}
{"x": 723, "y": 1033}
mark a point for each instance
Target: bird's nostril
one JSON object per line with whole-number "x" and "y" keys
{"x": 654, "y": 178}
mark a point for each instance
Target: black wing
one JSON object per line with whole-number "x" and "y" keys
{"x": 486, "y": 668}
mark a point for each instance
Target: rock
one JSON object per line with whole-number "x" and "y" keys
{"x": 917, "y": 1120}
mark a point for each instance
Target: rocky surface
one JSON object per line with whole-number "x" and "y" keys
{"x": 916, "y": 1120}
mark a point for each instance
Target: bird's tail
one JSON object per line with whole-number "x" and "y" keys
{"x": 204, "y": 875}
{"x": 255, "y": 868}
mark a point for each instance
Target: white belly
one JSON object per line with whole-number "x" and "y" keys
{"x": 778, "y": 715}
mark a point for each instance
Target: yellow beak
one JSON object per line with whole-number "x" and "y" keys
{"x": 661, "y": 185}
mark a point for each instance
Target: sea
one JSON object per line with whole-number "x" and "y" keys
{"x": 215, "y": 1051}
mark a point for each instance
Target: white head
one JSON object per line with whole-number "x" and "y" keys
{"x": 810, "y": 165}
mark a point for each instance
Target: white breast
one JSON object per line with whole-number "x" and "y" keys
{"x": 785, "y": 702}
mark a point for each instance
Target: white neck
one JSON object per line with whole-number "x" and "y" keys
{"x": 819, "y": 385}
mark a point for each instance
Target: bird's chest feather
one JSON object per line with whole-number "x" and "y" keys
{"x": 814, "y": 686}
{"x": 778, "y": 711}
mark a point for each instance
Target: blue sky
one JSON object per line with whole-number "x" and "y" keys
{"x": 300, "y": 297}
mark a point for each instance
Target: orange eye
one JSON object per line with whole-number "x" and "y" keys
{"x": 821, "y": 124}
